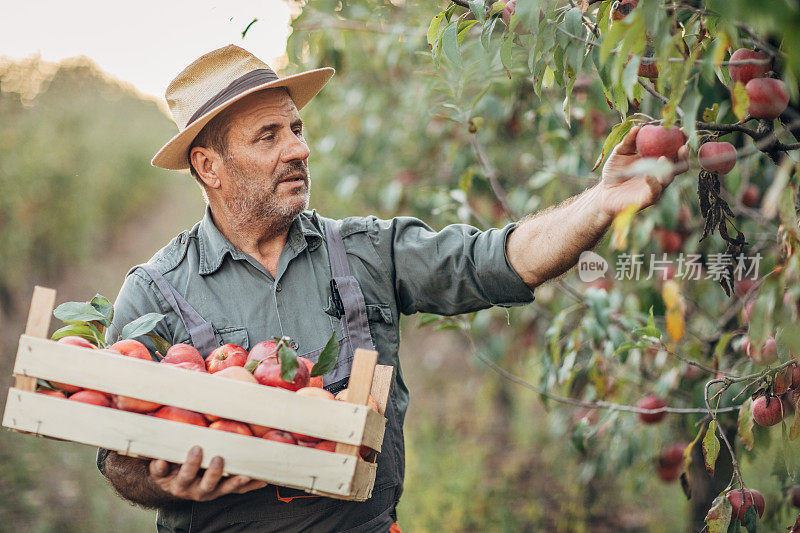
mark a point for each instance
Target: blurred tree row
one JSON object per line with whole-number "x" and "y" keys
{"x": 74, "y": 165}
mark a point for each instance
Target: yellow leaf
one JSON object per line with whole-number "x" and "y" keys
{"x": 621, "y": 227}
{"x": 794, "y": 431}
{"x": 675, "y": 323}
{"x": 746, "y": 424}
{"x": 740, "y": 100}
{"x": 723, "y": 42}
{"x": 670, "y": 293}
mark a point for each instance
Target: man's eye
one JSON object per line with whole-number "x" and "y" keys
{"x": 298, "y": 131}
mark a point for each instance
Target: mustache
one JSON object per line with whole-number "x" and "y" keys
{"x": 295, "y": 167}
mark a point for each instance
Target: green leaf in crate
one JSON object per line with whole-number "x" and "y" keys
{"x": 141, "y": 326}
{"x": 104, "y": 307}
{"x": 328, "y": 357}
{"x": 289, "y": 363}
{"x": 162, "y": 345}
{"x": 79, "y": 312}
{"x": 85, "y": 331}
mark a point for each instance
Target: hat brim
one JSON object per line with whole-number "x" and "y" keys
{"x": 302, "y": 88}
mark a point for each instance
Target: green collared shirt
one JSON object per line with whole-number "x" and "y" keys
{"x": 401, "y": 264}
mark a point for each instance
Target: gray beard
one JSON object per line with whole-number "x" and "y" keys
{"x": 251, "y": 209}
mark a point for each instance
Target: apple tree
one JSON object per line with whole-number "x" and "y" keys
{"x": 683, "y": 354}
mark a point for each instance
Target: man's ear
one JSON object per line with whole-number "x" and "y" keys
{"x": 206, "y": 162}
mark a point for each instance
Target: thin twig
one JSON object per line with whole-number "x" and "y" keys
{"x": 491, "y": 175}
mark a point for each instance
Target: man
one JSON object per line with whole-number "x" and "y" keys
{"x": 259, "y": 265}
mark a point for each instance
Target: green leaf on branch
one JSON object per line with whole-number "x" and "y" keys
{"x": 463, "y": 28}
{"x": 506, "y": 45}
{"x": 289, "y": 362}
{"x": 616, "y": 135}
{"x": 141, "y": 326}
{"x": 711, "y": 447}
{"x": 478, "y": 8}
{"x": 710, "y": 113}
{"x": 450, "y": 44}
{"x": 719, "y": 516}
{"x": 745, "y": 423}
{"x": 327, "y": 358}
{"x": 650, "y": 331}
{"x": 433, "y": 30}
{"x": 486, "y": 33}
{"x": 79, "y": 312}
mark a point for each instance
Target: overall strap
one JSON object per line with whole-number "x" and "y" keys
{"x": 354, "y": 320}
{"x": 200, "y": 330}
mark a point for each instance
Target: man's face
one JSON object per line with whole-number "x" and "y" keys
{"x": 265, "y": 176}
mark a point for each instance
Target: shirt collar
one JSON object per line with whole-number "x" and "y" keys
{"x": 213, "y": 245}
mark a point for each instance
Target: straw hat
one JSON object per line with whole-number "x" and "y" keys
{"x": 215, "y": 81}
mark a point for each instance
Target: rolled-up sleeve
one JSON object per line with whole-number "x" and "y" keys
{"x": 457, "y": 270}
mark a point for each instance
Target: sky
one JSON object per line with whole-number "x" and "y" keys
{"x": 146, "y": 42}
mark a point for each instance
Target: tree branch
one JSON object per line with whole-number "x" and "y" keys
{"x": 491, "y": 175}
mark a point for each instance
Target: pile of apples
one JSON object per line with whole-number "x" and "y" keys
{"x": 261, "y": 365}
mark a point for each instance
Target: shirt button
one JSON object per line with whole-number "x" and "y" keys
{"x": 278, "y": 287}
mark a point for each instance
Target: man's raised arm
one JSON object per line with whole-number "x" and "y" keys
{"x": 549, "y": 243}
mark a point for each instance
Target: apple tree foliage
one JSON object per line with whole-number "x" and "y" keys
{"x": 446, "y": 111}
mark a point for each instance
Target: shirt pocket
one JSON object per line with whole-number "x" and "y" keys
{"x": 233, "y": 335}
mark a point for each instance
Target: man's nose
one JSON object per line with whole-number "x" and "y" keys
{"x": 297, "y": 150}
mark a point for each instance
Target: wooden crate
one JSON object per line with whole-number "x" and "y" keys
{"x": 343, "y": 474}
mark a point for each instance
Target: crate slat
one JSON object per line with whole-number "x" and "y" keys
{"x": 236, "y": 400}
{"x": 359, "y": 386}
{"x": 135, "y": 434}
{"x": 38, "y": 325}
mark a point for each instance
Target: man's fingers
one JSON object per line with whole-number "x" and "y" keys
{"x": 188, "y": 471}
{"x": 213, "y": 474}
{"x": 665, "y": 179}
{"x": 253, "y": 485}
{"x": 628, "y": 144}
{"x": 233, "y": 484}
{"x": 159, "y": 468}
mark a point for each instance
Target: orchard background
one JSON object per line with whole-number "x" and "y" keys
{"x": 521, "y": 419}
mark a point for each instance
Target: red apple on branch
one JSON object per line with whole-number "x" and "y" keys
{"x": 742, "y": 499}
{"x": 746, "y": 72}
{"x": 768, "y": 97}
{"x": 719, "y": 157}
{"x": 767, "y": 411}
{"x": 655, "y": 141}
{"x": 651, "y": 402}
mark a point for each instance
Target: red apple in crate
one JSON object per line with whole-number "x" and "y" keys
{"x": 742, "y": 499}
{"x": 73, "y": 341}
{"x": 93, "y": 397}
{"x": 343, "y": 397}
{"x": 180, "y": 415}
{"x": 134, "y": 405}
{"x": 132, "y": 348}
{"x": 269, "y": 373}
{"x": 238, "y": 373}
{"x": 318, "y": 393}
{"x": 768, "y": 97}
{"x": 231, "y": 426}
{"x": 225, "y": 356}
{"x": 313, "y": 381}
{"x": 184, "y": 353}
{"x": 53, "y": 393}
{"x": 188, "y": 365}
{"x": 279, "y": 436}
{"x": 746, "y": 72}
{"x": 264, "y": 350}
{"x": 327, "y": 445}
{"x": 258, "y": 431}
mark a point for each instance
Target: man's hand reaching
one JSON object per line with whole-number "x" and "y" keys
{"x": 618, "y": 188}
{"x": 187, "y": 482}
